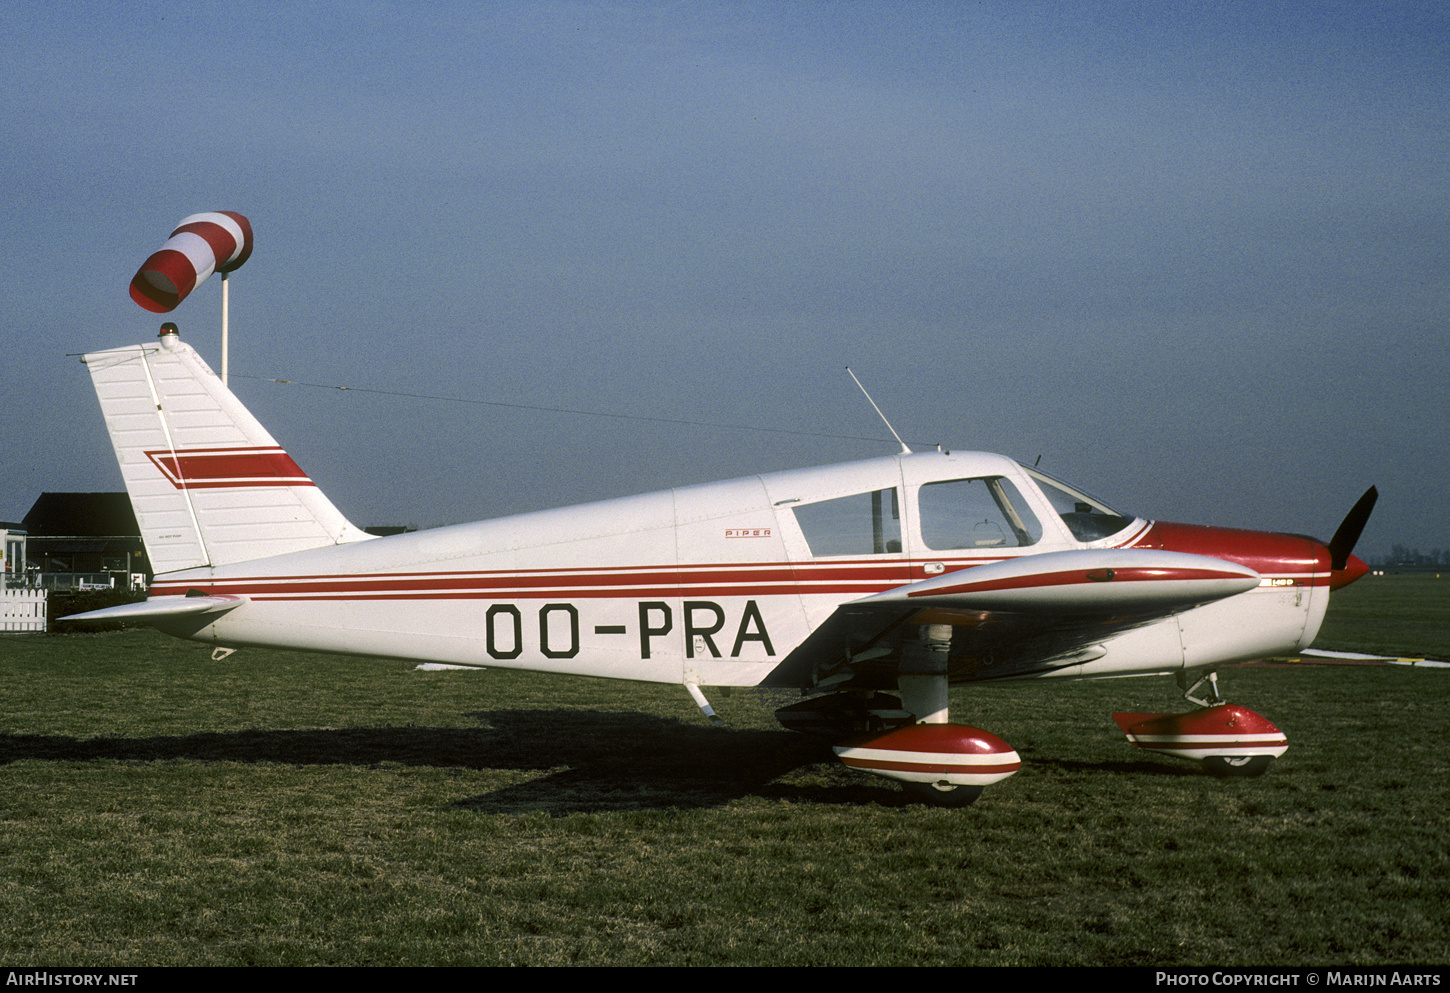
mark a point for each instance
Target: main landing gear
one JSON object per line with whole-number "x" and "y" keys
{"x": 911, "y": 739}
{"x": 1229, "y": 740}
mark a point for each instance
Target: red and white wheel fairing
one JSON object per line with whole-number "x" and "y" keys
{"x": 934, "y": 753}
{"x": 1226, "y": 730}
{"x": 217, "y": 241}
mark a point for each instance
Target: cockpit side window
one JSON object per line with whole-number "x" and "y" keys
{"x": 860, "y": 524}
{"x": 1086, "y": 517}
{"x": 976, "y": 513}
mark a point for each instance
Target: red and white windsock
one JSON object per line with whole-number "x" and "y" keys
{"x": 217, "y": 241}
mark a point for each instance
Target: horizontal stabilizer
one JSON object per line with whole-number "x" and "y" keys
{"x": 1087, "y": 581}
{"x": 161, "y": 607}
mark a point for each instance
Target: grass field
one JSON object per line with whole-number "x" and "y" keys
{"x": 1406, "y": 614}
{"x": 159, "y": 808}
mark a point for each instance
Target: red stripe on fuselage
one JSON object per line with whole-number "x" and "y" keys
{"x": 1269, "y": 554}
{"x": 770, "y": 579}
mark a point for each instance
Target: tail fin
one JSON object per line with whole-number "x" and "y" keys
{"x": 208, "y": 484}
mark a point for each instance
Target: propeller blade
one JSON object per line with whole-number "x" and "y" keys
{"x": 1342, "y": 544}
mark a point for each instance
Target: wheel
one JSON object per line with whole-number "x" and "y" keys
{"x": 1238, "y": 765}
{"x": 944, "y": 794}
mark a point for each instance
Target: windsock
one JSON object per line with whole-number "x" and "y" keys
{"x": 217, "y": 241}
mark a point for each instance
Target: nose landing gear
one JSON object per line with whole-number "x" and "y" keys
{"x": 1229, "y": 740}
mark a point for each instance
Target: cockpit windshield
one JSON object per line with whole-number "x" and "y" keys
{"x": 1087, "y": 517}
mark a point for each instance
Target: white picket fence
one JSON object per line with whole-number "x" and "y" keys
{"x": 22, "y": 610}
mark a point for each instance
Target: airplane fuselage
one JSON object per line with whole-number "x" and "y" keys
{"x": 899, "y": 575}
{"x": 717, "y": 584}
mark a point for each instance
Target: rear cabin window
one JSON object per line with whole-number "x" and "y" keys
{"x": 861, "y": 524}
{"x": 976, "y": 513}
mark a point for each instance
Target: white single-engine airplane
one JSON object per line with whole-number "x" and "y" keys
{"x": 904, "y": 575}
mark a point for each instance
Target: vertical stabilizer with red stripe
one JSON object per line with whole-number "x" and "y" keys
{"x": 208, "y": 484}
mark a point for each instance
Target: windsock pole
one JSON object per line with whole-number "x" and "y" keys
{"x": 225, "y": 313}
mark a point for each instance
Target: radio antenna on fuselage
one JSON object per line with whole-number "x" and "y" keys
{"x": 905, "y": 450}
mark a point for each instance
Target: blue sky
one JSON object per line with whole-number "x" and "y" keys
{"x": 1193, "y": 255}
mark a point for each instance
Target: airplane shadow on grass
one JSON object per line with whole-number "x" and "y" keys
{"x": 594, "y": 761}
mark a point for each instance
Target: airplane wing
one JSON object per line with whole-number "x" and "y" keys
{"x": 1019, "y": 617}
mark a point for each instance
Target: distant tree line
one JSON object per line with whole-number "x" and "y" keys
{"x": 1400, "y": 555}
